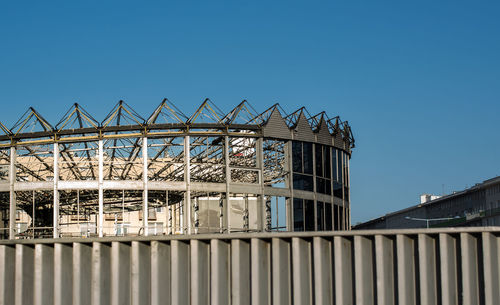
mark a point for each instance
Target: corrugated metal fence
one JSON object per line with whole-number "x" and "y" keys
{"x": 434, "y": 266}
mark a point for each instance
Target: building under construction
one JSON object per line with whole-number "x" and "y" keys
{"x": 211, "y": 172}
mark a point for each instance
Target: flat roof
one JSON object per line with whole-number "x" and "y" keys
{"x": 474, "y": 188}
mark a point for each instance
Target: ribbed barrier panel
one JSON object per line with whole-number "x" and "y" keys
{"x": 432, "y": 266}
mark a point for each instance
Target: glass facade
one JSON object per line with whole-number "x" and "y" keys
{"x": 322, "y": 169}
{"x": 303, "y": 211}
{"x": 302, "y": 156}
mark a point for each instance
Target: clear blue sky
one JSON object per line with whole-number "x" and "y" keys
{"x": 418, "y": 81}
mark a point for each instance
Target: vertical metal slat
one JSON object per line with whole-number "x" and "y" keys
{"x": 44, "y": 275}
{"x": 406, "y": 270}
{"x": 323, "y": 268}
{"x": 427, "y": 269}
{"x": 140, "y": 273}
{"x": 282, "y": 284}
{"x": 120, "y": 273}
{"x": 240, "y": 272}
{"x": 260, "y": 272}
{"x": 24, "y": 274}
{"x": 180, "y": 272}
{"x": 384, "y": 260}
{"x": 160, "y": 273}
{"x": 82, "y": 273}
{"x": 470, "y": 272}
{"x": 101, "y": 274}
{"x": 220, "y": 281}
{"x": 491, "y": 259}
{"x": 363, "y": 266}
{"x": 448, "y": 262}
{"x": 343, "y": 270}
{"x": 200, "y": 272}
{"x": 302, "y": 271}
{"x": 63, "y": 274}
{"x": 7, "y": 274}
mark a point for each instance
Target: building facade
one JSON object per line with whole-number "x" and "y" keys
{"x": 239, "y": 171}
{"x": 473, "y": 207}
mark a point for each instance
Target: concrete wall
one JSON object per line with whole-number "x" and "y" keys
{"x": 445, "y": 266}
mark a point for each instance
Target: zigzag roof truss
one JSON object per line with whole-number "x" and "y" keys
{"x": 122, "y": 114}
{"x": 207, "y": 112}
{"x": 244, "y": 113}
{"x": 75, "y": 118}
{"x": 31, "y": 121}
{"x": 167, "y": 113}
{"x": 320, "y": 127}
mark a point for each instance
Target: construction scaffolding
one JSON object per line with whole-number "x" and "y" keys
{"x": 173, "y": 174}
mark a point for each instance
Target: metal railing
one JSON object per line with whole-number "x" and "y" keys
{"x": 425, "y": 266}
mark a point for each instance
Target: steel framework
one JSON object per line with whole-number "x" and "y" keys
{"x": 196, "y": 170}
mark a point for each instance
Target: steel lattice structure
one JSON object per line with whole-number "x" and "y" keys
{"x": 208, "y": 172}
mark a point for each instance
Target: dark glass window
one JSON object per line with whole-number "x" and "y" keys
{"x": 334, "y": 164}
{"x": 326, "y": 158}
{"x": 340, "y": 167}
{"x": 323, "y": 183}
{"x": 318, "y": 152}
{"x": 320, "y": 185}
{"x": 320, "y": 213}
{"x": 298, "y": 181}
{"x": 298, "y": 215}
{"x": 336, "y": 224}
{"x": 309, "y": 214}
{"x": 323, "y": 186}
{"x": 337, "y": 190}
{"x": 308, "y": 157}
{"x": 346, "y": 193}
{"x": 297, "y": 156}
{"x": 302, "y": 166}
{"x": 303, "y": 182}
{"x": 328, "y": 216}
{"x": 308, "y": 183}
{"x": 346, "y": 170}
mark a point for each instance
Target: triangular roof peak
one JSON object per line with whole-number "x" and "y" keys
{"x": 207, "y": 112}
{"x": 31, "y": 121}
{"x": 316, "y": 119}
{"x": 334, "y": 125}
{"x": 244, "y": 113}
{"x": 263, "y": 117}
{"x": 302, "y": 129}
{"x": 167, "y": 112}
{"x": 76, "y": 117}
{"x": 321, "y": 130}
{"x": 275, "y": 125}
{"x": 341, "y": 130}
{"x": 322, "y": 125}
{"x": 122, "y": 114}
{"x": 293, "y": 118}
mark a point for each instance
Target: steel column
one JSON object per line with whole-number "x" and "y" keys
{"x": 289, "y": 206}
{"x": 12, "y": 193}
{"x": 187, "y": 179}
{"x": 145, "y": 210}
{"x": 261, "y": 202}
{"x": 55, "y": 221}
{"x": 101, "y": 192}
{"x": 228, "y": 182}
